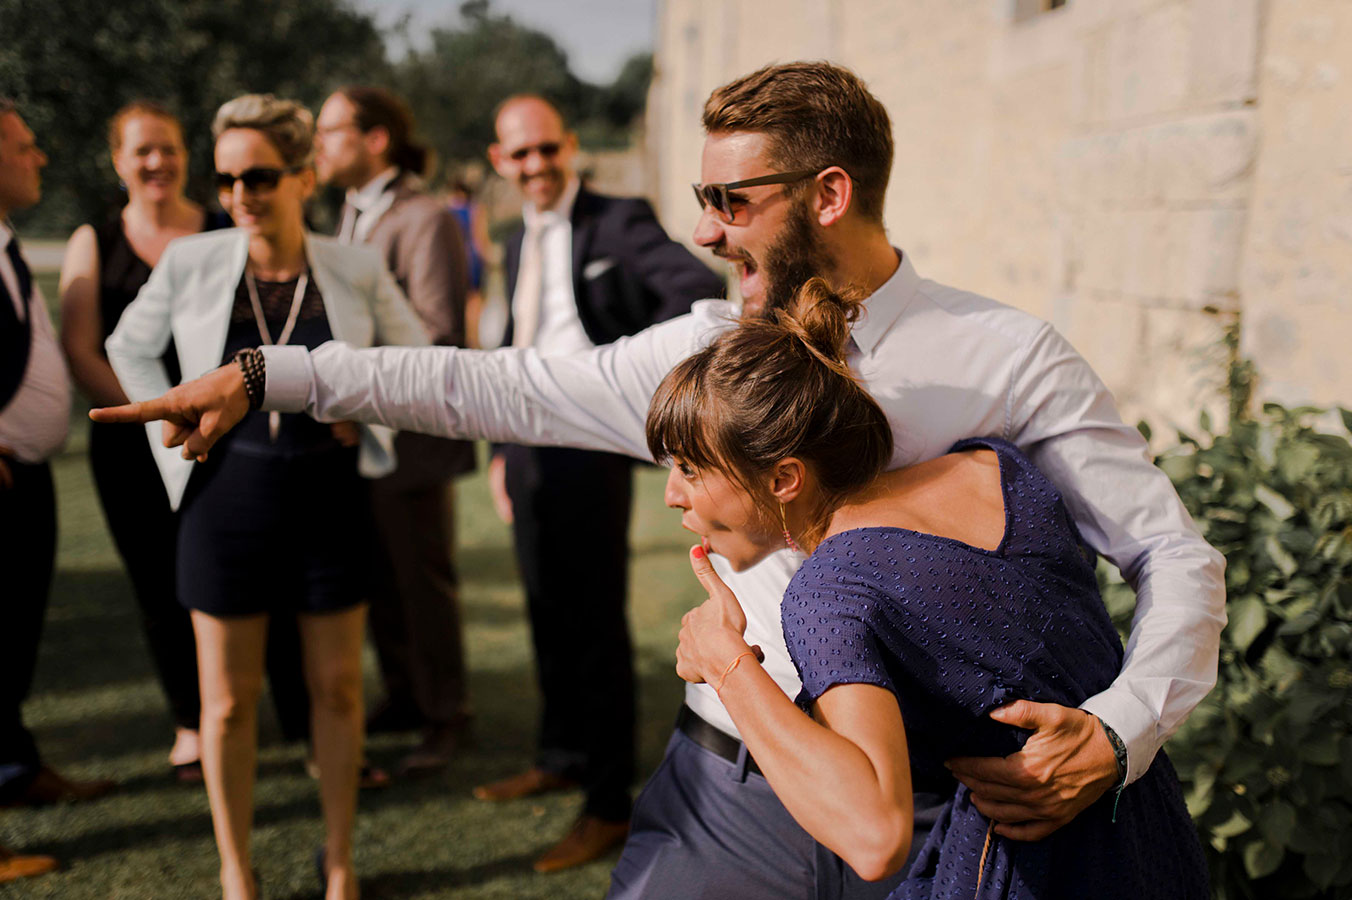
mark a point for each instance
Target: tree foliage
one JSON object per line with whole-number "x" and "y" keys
{"x": 1266, "y": 758}
{"x": 456, "y": 84}
{"x": 72, "y": 64}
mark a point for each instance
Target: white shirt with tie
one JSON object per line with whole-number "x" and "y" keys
{"x": 365, "y": 205}
{"x": 944, "y": 364}
{"x": 33, "y": 424}
{"x": 544, "y": 309}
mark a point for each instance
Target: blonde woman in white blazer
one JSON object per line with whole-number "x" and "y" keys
{"x": 276, "y": 520}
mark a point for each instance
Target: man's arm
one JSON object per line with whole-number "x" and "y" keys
{"x": 670, "y": 271}
{"x": 1127, "y": 510}
{"x": 593, "y": 400}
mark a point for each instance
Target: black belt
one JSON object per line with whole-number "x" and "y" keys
{"x": 712, "y": 739}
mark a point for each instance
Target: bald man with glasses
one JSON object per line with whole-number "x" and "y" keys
{"x": 585, "y": 270}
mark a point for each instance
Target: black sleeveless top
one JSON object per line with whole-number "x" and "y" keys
{"x": 122, "y": 274}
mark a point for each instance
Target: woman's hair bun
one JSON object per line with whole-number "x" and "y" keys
{"x": 821, "y": 317}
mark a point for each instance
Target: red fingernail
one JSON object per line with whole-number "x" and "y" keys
{"x": 697, "y": 552}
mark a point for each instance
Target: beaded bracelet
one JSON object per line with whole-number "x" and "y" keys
{"x": 252, "y": 364}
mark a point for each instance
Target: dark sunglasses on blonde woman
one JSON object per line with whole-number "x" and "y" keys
{"x": 258, "y": 178}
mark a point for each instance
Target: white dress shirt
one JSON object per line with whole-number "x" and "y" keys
{"x": 33, "y": 424}
{"x": 944, "y": 364}
{"x": 559, "y": 329}
{"x": 367, "y": 204}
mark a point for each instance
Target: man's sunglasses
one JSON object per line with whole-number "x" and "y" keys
{"x": 716, "y": 195}
{"x": 548, "y": 150}
{"x": 259, "y": 178}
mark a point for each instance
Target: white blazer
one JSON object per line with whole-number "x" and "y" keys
{"x": 189, "y": 297}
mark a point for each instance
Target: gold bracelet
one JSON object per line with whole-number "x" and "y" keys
{"x": 732, "y": 665}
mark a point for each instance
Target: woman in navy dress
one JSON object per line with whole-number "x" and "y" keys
{"x": 106, "y": 265}
{"x": 932, "y": 595}
{"x": 275, "y": 523}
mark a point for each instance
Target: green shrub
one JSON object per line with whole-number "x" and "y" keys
{"x": 1266, "y": 758}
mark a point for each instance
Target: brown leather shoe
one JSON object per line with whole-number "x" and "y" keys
{"x": 434, "y": 752}
{"x": 591, "y": 838}
{"x": 50, "y": 787}
{"x": 527, "y": 784}
{"x": 14, "y": 866}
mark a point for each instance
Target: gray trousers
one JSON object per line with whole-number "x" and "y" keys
{"x": 705, "y": 828}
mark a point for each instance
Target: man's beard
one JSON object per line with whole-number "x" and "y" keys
{"x": 795, "y": 256}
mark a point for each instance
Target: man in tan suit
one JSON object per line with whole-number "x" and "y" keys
{"x": 364, "y": 142}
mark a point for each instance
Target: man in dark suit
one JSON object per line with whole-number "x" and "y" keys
{"x": 34, "y": 412}
{"x": 364, "y": 143}
{"x": 585, "y": 270}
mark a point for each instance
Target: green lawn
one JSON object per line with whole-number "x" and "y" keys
{"x": 97, "y": 712}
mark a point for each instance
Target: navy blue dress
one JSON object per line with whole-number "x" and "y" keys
{"x": 955, "y": 631}
{"x": 275, "y": 526}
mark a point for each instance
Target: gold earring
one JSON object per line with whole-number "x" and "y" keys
{"x": 788, "y": 538}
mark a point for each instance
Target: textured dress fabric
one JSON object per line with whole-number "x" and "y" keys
{"x": 955, "y": 631}
{"x": 275, "y": 526}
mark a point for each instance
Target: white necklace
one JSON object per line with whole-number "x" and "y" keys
{"x": 275, "y": 418}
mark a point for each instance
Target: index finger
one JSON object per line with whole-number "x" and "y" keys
{"x": 143, "y": 411}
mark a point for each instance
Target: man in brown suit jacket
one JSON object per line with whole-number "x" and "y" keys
{"x": 364, "y": 145}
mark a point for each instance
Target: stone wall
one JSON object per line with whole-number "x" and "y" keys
{"x": 1117, "y": 167}
{"x": 1296, "y": 278}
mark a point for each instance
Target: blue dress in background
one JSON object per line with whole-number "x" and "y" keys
{"x": 955, "y": 631}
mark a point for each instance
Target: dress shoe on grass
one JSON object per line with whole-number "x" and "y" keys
{"x": 49, "y": 787}
{"x": 436, "y": 750}
{"x": 591, "y": 838}
{"x": 526, "y": 784}
{"x": 14, "y": 866}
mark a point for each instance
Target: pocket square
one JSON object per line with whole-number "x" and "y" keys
{"x": 597, "y": 267}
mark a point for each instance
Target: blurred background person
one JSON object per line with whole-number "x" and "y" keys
{"x": 585, "y": 270}
{"x": 277, "y": 521}
{"x": 474, "y": 225}
{"x": 34, "y": 416}
{"x": 104, "y": 268}
{"x": 364, "y": 144}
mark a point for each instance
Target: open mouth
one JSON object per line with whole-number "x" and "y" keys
{"x": 703, "y": 541}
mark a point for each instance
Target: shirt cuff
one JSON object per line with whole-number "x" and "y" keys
{"x": 1134, "y": 723}
{"x": 288, "y": 375}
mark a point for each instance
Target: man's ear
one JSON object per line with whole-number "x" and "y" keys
{"x": 787, "y": 479}
{"x": 495, "y": 158}
{"x": 377, "y": 140}
{"x": 835, "y": 192}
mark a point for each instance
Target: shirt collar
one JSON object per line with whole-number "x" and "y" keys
{"x": 886, "y": 305}
{"x": 365, "y": 197}
{"x": 561, "y": 211}
{"x": 6, "y": 233}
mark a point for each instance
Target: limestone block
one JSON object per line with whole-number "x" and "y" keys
{"x": 1201, "y": 158}
{"x": 1147, "y": 241}
{"x": 1147, "y": 64}
{"x": 1108, "y": 169}
{"x": 1201, "y": 260}
{"x": 1101, "y": 246}
{"x": 1301, "y": 353}
{"x": 1224, "y": 52}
